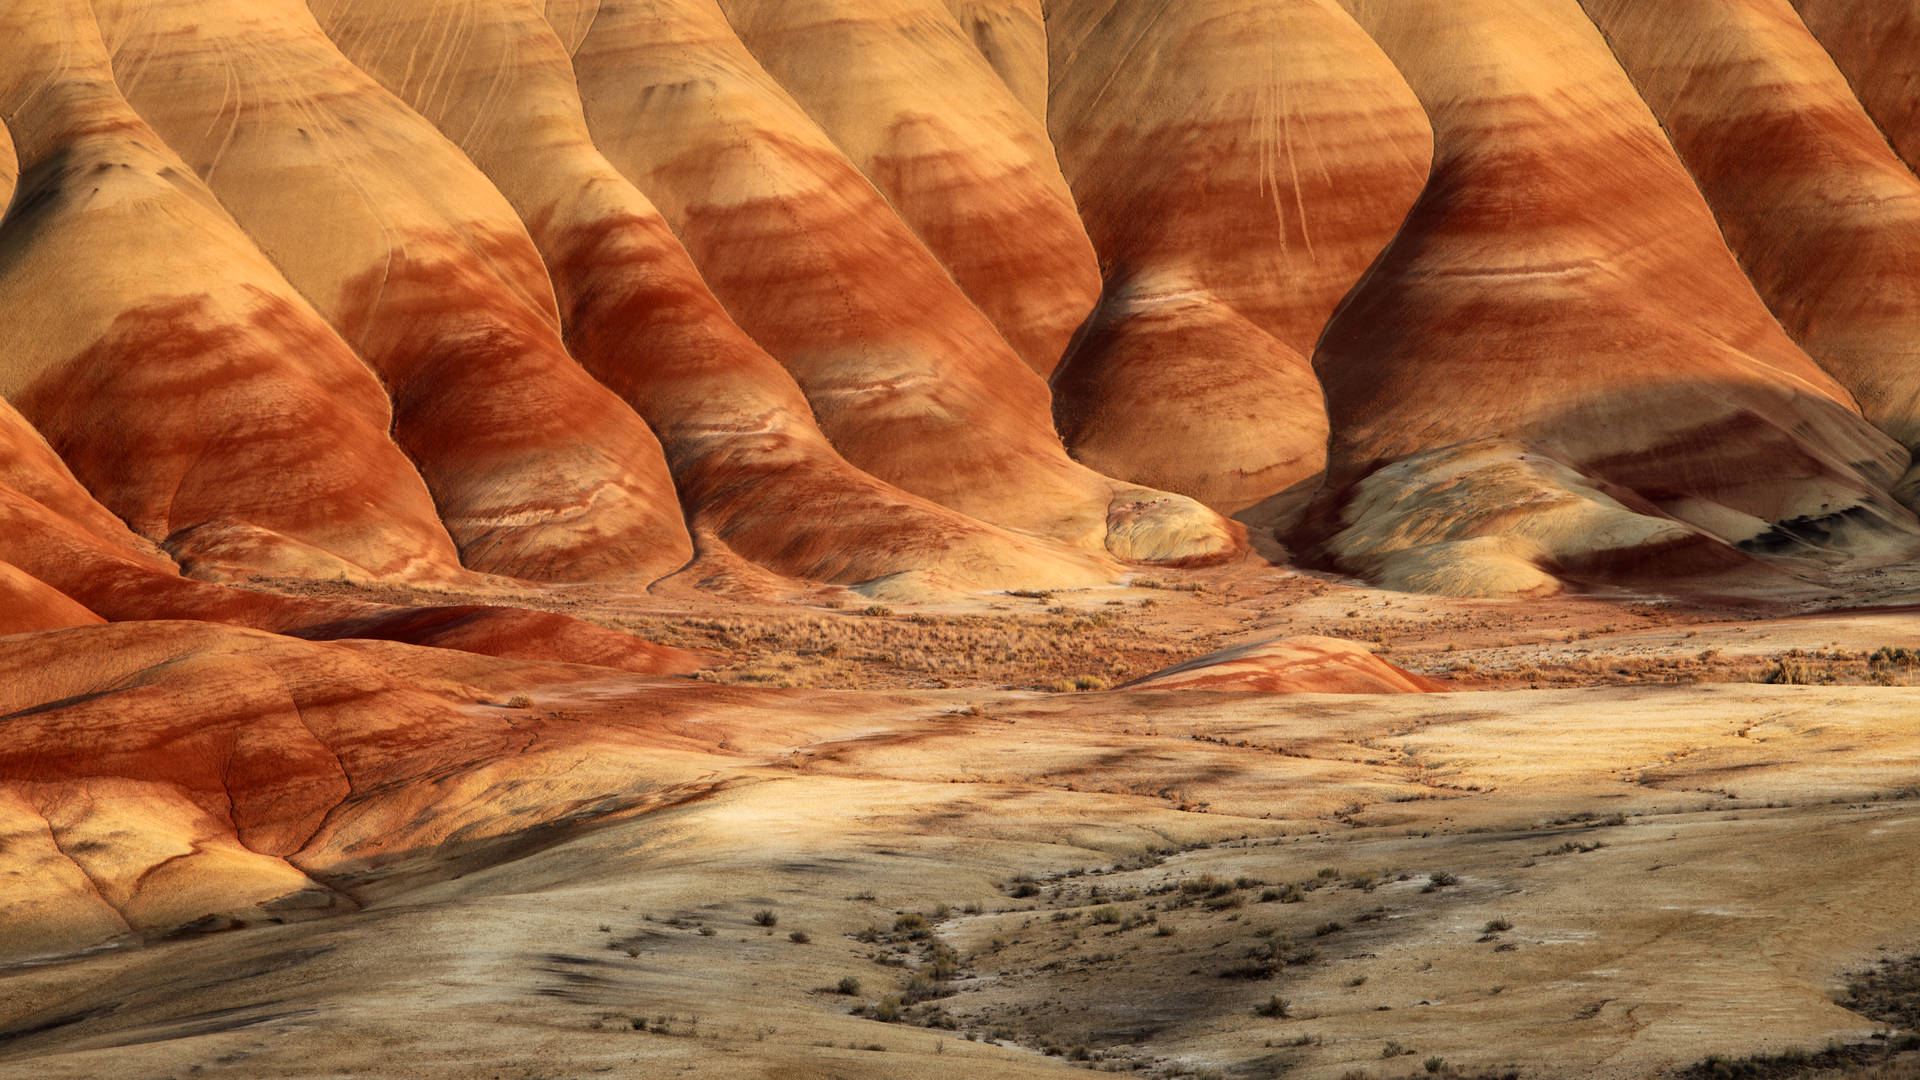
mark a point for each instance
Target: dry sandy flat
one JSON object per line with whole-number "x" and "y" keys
{"x": 1684, "y": 868}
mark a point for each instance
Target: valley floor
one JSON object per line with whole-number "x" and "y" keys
{"x": 1649, "y": 858}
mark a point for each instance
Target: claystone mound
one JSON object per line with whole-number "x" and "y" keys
{"x": 1821, "y": 213}
{"x": 1561, "y": 284}
{"x": 381, "y": 290}
{"x": 159, "y": 774}
{"x": 1292, "y": 665}
{"x": 754, "y": 471}
{"x": 1238, "y": 166}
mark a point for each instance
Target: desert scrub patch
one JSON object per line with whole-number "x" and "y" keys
{"x": 1889, "y": 993}
{"x": 1263, "y": 960}
{"x": 1275, "y": 1006}
{"x": 866, "y": 648}
{"x": 1836, "y": 1059}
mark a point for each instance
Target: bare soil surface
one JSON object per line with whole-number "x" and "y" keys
{"x": 1641, "y": 830}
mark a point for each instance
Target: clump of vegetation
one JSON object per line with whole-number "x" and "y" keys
{"x": 1265, "y": 959}
{"x": 1497, "y": 926}
{"x": 765, "y": 917}
{"x": 800, "y": 937}
{"x": 1206, "y": 885}
{"x": 938, "y": 965}
{"x": 1439, "y": 879}
{"x": 942, "y": 963}
{"x": 1887, "y": 656}
{"x": 1275, "y": 1006}
{"x": 848, "y": 651}
{"x": 1789, "y": 671}
{"x": 1836, "y": 1059}
{"x": 1022, "y": 886}
{"x": 1890, "y": 993}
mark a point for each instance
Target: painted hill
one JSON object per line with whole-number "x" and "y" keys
{"x": 928, "y": 298}
{"x": 188, "y": 386}
{"x": 1562, "y": 289}
{"x": 1821, "y": 213}
{"x": 538, "y": 471}
{"x": 1238, "y": 165}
